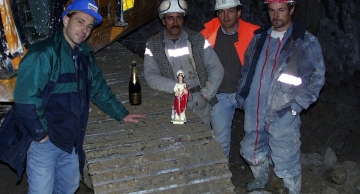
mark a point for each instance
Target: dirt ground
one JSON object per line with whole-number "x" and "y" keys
{"x": 330, "y": 145}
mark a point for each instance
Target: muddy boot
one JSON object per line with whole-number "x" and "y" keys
{"x": 292, "y": 185}
{"x": 260, "y": 173}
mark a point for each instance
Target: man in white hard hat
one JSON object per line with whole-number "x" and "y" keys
{"x": 57, "y": 78}
{"x": 229, "y": 36}
{"x": 283, "y": 74}
{"x": 177, "y": 48}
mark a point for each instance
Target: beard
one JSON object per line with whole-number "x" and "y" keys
{"x": 277, "y": 23}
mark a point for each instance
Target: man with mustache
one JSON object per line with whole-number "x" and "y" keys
{"x": 283, "y": 74}
{"x": 176, "y": 48}
{"x": 57, "y": 78}
{"x": 229, "y": 36}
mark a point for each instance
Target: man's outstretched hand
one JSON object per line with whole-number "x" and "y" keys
{"x": 134, "y": 117}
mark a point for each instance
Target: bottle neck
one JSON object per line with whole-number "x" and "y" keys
{"x": 133, "y": 75}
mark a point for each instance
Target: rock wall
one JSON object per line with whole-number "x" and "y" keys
{"x": 339, "y": 35}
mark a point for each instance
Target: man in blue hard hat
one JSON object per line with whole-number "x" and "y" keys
{"x": 56, "y": 81}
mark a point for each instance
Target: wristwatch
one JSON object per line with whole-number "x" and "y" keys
{"x": 293, "y": 113}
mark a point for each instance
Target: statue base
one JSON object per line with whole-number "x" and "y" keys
{"x": 178, "y": 122}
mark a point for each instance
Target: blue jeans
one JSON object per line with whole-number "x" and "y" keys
{"x": 51, "y": 170}
{"x": 222, "y": 115}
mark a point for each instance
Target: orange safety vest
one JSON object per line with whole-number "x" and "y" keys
{"x": 245, "y": 33}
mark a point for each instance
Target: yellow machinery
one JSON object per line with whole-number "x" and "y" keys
{"x": 25, "y": 22}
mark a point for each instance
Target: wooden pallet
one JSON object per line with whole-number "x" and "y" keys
{"x": 154, "y": 155}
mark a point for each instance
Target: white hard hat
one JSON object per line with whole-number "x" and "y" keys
{"x": 224, "y": 4}
{"x": 172, "y": 6}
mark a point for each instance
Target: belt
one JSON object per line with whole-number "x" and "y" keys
{"x": 195, "y": 89}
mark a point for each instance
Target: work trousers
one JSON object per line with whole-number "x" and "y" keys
{"x": 280, "y": 140}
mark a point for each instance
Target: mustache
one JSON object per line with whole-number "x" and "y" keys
{"x": 175, "y": 27}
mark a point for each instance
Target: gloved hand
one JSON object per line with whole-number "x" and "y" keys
{"x": 199, "y": 101}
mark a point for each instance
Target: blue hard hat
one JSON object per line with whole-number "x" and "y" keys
{"x": 86, "y": 6}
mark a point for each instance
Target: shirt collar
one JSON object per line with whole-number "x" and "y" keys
{"x": 232, "y": 33}
{"x": 286, "y": 34}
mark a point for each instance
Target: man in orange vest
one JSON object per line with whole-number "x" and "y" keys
{"x": 229, "y": 36}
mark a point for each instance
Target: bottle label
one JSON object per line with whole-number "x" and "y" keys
{"x": 135, "y": 98}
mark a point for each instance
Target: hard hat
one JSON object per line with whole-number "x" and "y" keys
{"x": 224, "y": 4}
{"x": 86, "y": 6}
{"x": 279, "y": 1}
{"x": 172, "y": 6}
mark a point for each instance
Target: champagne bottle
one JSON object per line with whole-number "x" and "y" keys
{"x": 134, "y": 86}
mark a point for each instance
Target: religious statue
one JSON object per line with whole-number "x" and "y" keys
{"x": 181, "y": 98}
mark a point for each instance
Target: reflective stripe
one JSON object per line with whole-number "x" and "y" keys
{"x": 148, "y": 52}
{"x": 178, "y": 52}
{"x": 207, "y": 44}
{"x": 290, "y": 79}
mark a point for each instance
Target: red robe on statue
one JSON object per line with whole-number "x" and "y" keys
{"x": 180, "y": 101}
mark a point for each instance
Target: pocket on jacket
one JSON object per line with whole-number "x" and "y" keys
{"x": 287, "y": 88}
